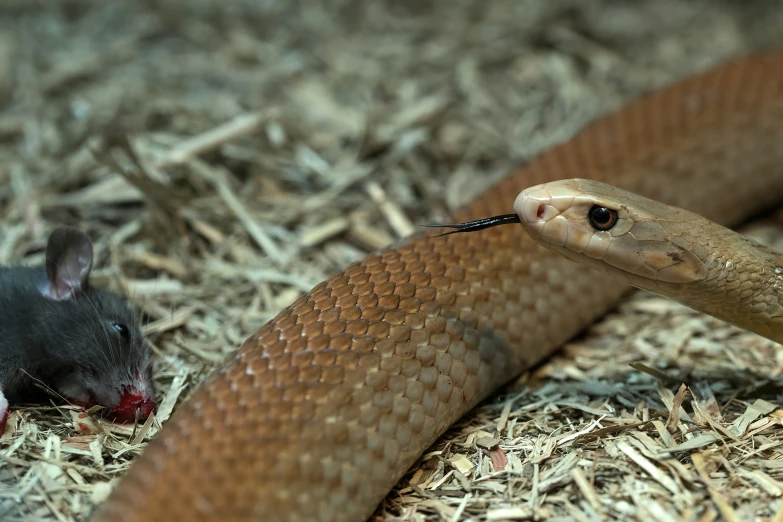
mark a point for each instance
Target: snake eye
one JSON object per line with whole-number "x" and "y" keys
{"x": 602, "y": 218}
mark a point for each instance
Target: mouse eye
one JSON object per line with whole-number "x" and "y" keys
{"x": 121, "y": 329}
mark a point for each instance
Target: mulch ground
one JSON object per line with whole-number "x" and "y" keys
{"x": 228, "y": 156}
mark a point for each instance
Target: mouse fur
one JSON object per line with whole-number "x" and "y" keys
{"x": 82, "y": 342}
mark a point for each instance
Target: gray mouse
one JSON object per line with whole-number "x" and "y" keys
{"x": 83, "y": 343}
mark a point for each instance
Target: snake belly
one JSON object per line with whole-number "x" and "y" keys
{"x": 320, "y": 413}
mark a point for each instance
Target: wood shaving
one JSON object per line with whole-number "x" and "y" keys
{"x": 226, "y": 157}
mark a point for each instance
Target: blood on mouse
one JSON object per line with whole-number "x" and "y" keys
{"x": 84, "y": 343}
{"x": 132, "y": 401}
{"x": 3, "y": 412}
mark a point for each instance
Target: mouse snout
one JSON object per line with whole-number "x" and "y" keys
{"x": 132, "y": 401}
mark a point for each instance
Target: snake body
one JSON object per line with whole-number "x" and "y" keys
{"x": 322, "y": 411}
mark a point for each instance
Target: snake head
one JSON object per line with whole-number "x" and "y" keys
{"x": 614, "y": 231}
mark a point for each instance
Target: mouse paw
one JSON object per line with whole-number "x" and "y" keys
{"x": 3, "y": 412}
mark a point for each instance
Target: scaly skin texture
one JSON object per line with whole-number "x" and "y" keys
{"x": 320, "y": 413}
{"x": 660, "y": 248}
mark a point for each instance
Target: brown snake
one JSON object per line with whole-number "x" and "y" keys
{"x": 322, "y": 411}
{"x": 665, "y": 250}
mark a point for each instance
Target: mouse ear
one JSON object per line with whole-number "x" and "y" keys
{"x": 68, "y": 263}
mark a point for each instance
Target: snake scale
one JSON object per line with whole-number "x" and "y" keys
{"x": 319, "y": 414}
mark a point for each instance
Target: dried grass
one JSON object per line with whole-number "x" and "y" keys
{"x": 229, "y": 156}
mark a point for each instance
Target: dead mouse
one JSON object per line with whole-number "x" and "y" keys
{"x": 82, "y": 342}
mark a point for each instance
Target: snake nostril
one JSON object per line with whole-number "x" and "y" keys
{"x": 540, "y": 211}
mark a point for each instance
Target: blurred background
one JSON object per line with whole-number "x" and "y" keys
{"x": 225, "y": 157}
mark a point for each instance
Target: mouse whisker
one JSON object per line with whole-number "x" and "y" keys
{"x": 115, "y": 355}
{"x": 84, "y": 329}
{"x": 98, "y": 346}
{"x": 44, "y": 386}
{"x": 106, "y": 364}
